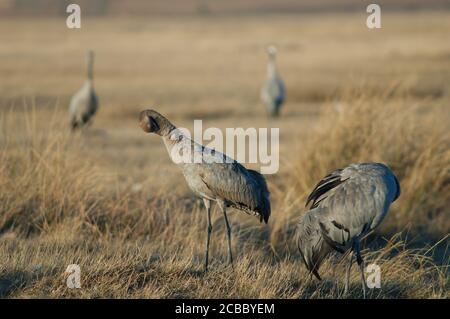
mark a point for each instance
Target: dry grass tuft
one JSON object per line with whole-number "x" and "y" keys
{"x": 408, "y": 135}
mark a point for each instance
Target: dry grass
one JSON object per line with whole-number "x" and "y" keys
{"x": 109, "y": 200}
{"x": 58, "y": 211}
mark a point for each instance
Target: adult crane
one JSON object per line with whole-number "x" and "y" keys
{"x": 211, "y": 175}
{"x": 84, "y": 103}
{"x": 345, "y": 206}
{"x": 273, "y": 92}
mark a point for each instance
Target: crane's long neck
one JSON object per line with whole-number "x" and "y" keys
{"x": 90, "y": 68}
{"x": 272, "y": 67}
{"x": 170, "y": 138}
{"x": 179, "y": 146}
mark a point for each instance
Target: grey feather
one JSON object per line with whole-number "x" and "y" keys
{"x": 311, "y": 245}
{"x": 240, "y": 188}
{"x": 273, "y": 91}
{"x": 345, "y": 206}
{"x": 84, "y": 103}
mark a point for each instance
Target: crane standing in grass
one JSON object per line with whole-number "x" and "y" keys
{"x": 211, "y": 175}
{"x": 346, "y": 205}
{"x": 84, "y": 103}
{"x": 273, "y": 93}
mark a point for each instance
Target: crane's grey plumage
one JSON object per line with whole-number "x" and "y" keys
{"x": 211, "y": 175}
{"x": 273, "y": 93}
{"x": 345, "y": 206}
{"x": 84, "y": 103}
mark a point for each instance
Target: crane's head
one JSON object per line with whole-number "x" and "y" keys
{"x": 151, "y": 121}
{"x": 272, "y": 50}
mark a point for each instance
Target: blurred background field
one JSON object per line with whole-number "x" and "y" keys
{"x": 110, "y": 200}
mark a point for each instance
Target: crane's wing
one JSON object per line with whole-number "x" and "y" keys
{"x": 327, "y": 183}
{"x": 241, "y": 188}
{"x": 273, "y": 92}
{"x": 352, "y": 201}
{"x": 281, "y": 92}
{"x": 77, "y": 103}
{"x": 93, "y": 103}
{"x": 326, "y": 226}
{"x": 345, "y": 204}
{"x": 83, "y": 106}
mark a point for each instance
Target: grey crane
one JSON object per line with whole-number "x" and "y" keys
{"x": 84, "y": 103}
{"x": 345, "y": 206}
{"x": 211, "y": 175}
{"x": 273, "y": 92}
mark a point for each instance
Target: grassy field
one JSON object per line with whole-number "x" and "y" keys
{"x": 110, "y": 200}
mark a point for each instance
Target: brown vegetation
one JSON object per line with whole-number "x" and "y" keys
{"x": 108, "y": 199}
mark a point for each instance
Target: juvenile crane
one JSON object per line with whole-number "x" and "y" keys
{"x": 84, "y": 103}
{"x": 345, "y": 206}
{"x": 273, "y": 93}
{"x": 211, "y": 175}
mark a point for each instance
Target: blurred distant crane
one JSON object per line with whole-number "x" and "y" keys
{"x": 84, "y": 103}
{"x": 346, "y": 205}
{"x": 273, "y": 93}
{"x": 211, "y": 175}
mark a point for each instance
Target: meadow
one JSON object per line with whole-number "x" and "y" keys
{"x": 109, "y": 199}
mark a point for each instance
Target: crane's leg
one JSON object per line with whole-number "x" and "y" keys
{"x": 347, "y": 276}
{"x": 207, "y": 203}
{"x": 230, "y": 254}
{"x": 360, "y": 261}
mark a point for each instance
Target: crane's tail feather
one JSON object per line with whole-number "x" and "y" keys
{"x": 263, "y": 208}
{"x": 313, "y": 270}
{"x": 311, "y": 244}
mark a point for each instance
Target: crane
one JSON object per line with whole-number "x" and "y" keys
{"x": 211, "y": 175}
{"x": 346, "y": 205}
{"x": 84, "y": 103}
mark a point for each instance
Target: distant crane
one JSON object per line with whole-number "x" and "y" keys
{"x": 273, "y": 92}
{"x": 84, "y": 103}
{"x": 345, "y": 206}
{"x": 211, "y": 175}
